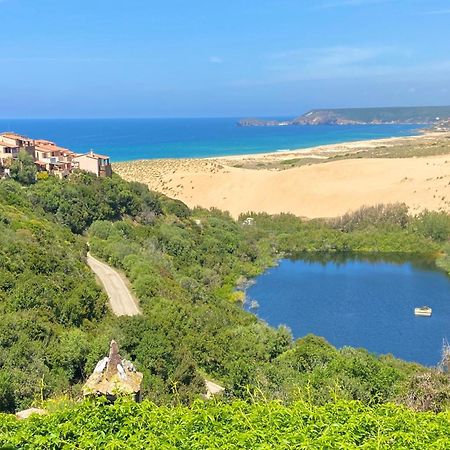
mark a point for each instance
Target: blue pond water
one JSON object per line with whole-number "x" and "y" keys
{"x": 359, "y": 303}
{"x": 128, "y": 139}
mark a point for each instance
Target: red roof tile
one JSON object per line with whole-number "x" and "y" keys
{"x": 94, "y": 155}
{"x": 12, "y": 135}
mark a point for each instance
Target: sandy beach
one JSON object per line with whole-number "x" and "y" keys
{"x": 323, "y": 181}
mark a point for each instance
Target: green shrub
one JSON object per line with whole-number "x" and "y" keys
{"x": 434, "y": 225}
{"x": 238, "y": 425}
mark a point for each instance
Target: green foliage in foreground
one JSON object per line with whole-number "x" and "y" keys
{"x": 239, "y": 425}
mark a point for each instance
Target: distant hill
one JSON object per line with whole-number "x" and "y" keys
{"x": 424, "y": 115}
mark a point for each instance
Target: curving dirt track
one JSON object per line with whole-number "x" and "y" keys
{"x": 120, "y": 298}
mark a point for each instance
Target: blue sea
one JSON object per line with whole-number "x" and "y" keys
{"x": 130, "y": 139}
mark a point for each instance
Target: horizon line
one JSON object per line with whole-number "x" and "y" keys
{"x": 218, "y": 117}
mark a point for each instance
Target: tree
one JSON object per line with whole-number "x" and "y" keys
{"x": 23, "y": 169}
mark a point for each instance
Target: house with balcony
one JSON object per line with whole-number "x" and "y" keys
{"x": 92, "y": 162}
{"x": 7, "y": 152}
{"x": 53, "y": 158}
{"x": 17, "y": 140}
{"x": 50, "y": 157}
{"x": 10, "y": 146}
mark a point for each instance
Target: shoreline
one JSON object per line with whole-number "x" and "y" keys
{"x": 322, "y": 181}
{"x": 421, "y": 132}
{"x": 333, "y": 148}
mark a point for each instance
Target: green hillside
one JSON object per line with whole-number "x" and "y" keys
{"x": 48, "y": 301}
{"x": 184, "y": 266}
{"x": 419, "y": 114}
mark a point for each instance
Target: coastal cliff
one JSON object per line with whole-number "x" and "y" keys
{"x": 361, "y": 116}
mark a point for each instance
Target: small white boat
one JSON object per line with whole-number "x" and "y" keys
{"x": 423, "y": 311}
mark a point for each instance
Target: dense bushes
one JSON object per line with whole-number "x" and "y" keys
{"x": 23, "y": 169}
{"x": 378, "y": 216}
{"x": 183, "y": 266}
{"x": 238, "y": 425}
{"x": 83, "y": 198}
{"x": 184, "y": 272}
{"x": 42, "y": 270}
{"x": 429, "y": 224}
{"x": 434, "y": 225}
{"x": 46, "y": 293}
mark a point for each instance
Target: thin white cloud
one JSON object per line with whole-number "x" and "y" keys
{"x": 330, "y": 56}
{"x": 345, "y": 63}
{"x": 215, "y": 60}
{"x": 329, "y": 62}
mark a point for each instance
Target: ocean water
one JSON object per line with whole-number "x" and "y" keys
{"x": 359, "y": 303}
{"x": 130, "y": 139}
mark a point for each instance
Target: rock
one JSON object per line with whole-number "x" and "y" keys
{"x": 113, "y": 376}
{"x": 213, "y": 389}
{"x": 21, "y": 415}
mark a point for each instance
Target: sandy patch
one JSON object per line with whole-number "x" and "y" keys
{"x": 318, "y": 190}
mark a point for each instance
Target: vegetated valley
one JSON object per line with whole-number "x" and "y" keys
{"x": 184, "y": 266}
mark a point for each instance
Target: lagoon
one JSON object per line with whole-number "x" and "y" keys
{"x": 359, "y": 302}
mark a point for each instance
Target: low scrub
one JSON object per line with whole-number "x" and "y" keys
{"x": 239, "y": 425}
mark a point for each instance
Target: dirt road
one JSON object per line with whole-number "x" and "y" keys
{"x": 123, "y": 303}
{"x": 120, "y": 298}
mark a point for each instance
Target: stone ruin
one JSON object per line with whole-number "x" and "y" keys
{"x": 114, "y": 376}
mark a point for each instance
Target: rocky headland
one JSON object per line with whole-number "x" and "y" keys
{"x": 427, "y": 116}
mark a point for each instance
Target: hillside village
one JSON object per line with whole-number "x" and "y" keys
{"x": 50, "y": 157}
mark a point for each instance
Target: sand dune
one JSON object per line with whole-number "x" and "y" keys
{"x": 318, "y": 190}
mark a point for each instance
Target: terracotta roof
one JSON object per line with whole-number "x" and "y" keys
{"x": 12, "y": 135}
{"x": 43, "y": 142}
{"x": 96, "y": 155}
{"x": 52, "y": 148}
{"x": 93, "y": 155}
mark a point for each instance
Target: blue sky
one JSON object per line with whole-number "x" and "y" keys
{"x": 199, "y": 58}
